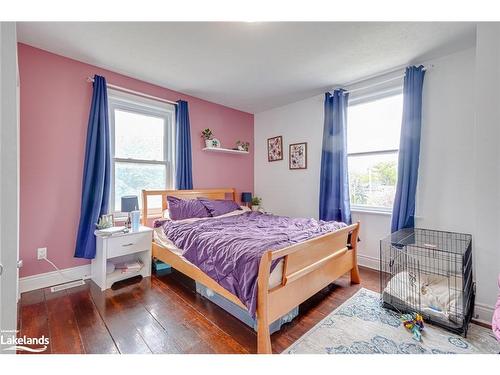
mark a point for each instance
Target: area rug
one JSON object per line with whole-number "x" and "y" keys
{"x": 361, "y": 326}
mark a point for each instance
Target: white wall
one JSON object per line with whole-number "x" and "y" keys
{"x": 487, "y": 165}
{"x": 446, "y": 194}
{"x": 283, "y": 191}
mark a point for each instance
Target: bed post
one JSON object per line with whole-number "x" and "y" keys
{"x": 355, "y": 278}
{"x": 263, "y": 335}
{"x": 144, "y": 208}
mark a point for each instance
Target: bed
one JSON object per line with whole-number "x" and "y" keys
{"x": 284, "y": 277}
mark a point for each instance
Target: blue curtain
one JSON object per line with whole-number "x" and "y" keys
{"x": 403, "y": 211}
{"x": 334, "y": 184}
{"x": 96, "y": 171}
{"x": 184, "y": 173}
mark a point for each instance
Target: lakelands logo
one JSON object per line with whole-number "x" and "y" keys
{"x": 10, "y": 342}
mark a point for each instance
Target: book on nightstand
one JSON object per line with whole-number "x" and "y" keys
{"x": 132, "y": 266}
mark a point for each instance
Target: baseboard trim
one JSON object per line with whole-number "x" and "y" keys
{"x": 369, "y": 262}
{"x": 483, "y": 313}
{"x": 48, "y": 279}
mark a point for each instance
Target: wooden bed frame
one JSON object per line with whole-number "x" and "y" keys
{"x": 308, "y": 266}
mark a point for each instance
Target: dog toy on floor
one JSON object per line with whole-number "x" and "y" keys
{"x": 415, "y": 324}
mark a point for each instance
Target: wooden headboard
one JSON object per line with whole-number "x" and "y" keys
{"x": 183, "y": 194}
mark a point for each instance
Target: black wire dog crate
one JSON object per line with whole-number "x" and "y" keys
{"x": 429, "y": 272}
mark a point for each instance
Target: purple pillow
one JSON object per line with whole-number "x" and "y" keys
{"x": 219, "y": 206}
{"x": 180, "y": 209}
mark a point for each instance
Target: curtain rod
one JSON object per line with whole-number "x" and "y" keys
{"x": 138, "y": 93}
{"x": 380, "y": 82}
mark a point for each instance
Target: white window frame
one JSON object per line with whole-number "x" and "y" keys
{"x": 366, "y": 98}
{"x": 137, "y": 104}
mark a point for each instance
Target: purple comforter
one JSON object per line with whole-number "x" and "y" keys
{"x": 229, "y": 249}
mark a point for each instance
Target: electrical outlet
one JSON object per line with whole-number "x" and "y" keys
{"x": 41, "y": 253}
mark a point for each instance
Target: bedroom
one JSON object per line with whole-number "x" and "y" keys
{"x": 237, "y": 191}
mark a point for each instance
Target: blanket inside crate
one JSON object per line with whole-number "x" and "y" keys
{"x": 435, "y": 295}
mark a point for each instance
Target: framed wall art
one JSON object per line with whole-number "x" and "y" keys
{"x": 298, "y": 156}
{"x": 275, "y": 148}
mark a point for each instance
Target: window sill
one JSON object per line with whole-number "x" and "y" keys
{"x": 152, "y": 214}
{"x": 370, "y": 211}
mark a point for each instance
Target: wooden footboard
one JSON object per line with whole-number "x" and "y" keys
{"x": 308, "y": 267}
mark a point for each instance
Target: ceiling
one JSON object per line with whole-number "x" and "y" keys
{"x": 251, "y": 66}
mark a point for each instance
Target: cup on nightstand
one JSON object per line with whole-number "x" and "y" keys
{"x": 135, "y": 218}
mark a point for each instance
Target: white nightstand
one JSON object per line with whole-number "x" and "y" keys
{"x": 119, "y": 248}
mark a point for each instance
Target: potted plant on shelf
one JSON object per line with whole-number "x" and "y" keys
{"x": 208, "y": 136}
{"x": 242, "y": 146}
{"x": 256, "y": 202}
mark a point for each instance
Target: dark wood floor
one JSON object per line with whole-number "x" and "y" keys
{"x": 161, "y": 314}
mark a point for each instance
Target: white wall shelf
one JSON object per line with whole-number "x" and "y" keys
{"x": 224, "y": 150}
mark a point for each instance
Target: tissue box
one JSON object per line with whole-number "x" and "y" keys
{"x": 161, "y": 268}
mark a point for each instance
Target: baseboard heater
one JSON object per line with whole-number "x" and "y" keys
{"x": 71, "y": 284}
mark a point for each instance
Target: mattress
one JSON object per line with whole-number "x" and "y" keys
{"x": 161, "y": 239}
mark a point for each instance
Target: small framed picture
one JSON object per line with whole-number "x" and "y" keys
{"x": 275, "y": 148}
{"x": 298, "y": 156}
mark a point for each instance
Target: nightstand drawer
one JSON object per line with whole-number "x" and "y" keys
{"x": 129, "y": 244}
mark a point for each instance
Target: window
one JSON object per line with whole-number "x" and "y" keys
{"x": 142, "y": 147}
{"x": 372, "y": 146}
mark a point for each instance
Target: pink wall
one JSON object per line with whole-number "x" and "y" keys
{"x": 55, "y": 102}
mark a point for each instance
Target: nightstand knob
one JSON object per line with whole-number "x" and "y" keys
{"x": 128, "y": 244}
